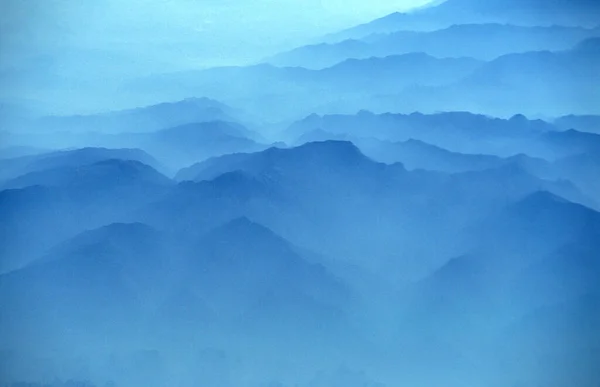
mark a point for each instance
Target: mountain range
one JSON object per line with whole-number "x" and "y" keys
{"x": 480, "y": 41}
{"x": 451, "y": 12}
{"x": 413, "y": 201}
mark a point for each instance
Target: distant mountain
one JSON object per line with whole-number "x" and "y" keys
{"x": 91, "y": 176}
{"x": 14, "y": 167}
{"x": 416, "y": 154}
{"x": 194, "y": 142}
{"x": 142, "y": 120}
{"x": 79, "y": 197}
{"x": 481, "y": 41}
{"x": 461, "y": 132}
{"x": 173, "y": 146}
{"x": 392, "y": 73}
{"x": 311, "y": 187}
{"x": 587, "y": 123}
{"x": 280, "y": 93}
{"x": 272, "y": 186}
{"x": 572, "y": 142}
{"x": 336, "y": 155}
{"x": 493, "y": 189}
{"x": 565, "y": 82}
{"x": 323, "y": 55}
{"x": 451, "y": 12}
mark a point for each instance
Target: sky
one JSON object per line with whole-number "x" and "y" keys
{"x": 70, "y": 44}
{"x": 201, "y": 30}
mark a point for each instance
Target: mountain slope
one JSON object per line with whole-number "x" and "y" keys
{"x": 266, "y": 278}
{"x": 96, "y": 283}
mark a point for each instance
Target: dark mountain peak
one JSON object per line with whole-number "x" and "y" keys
{"x": 330, "y": 152}
{"x": 319, "y": 135}
{"x": 518, "y": 118}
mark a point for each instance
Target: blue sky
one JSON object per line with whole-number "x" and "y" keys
{"x": 218, "y": 30}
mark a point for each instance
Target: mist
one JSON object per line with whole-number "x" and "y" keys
{"x": 299, "y": 194}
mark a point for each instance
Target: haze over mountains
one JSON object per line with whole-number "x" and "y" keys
{"x": 480, "y": 41}
{"x": 411, "y": 201}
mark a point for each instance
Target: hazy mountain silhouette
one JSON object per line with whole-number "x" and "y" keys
{"x": 77, "y": 197}
{"x": 481, "y": 41}
{"x": 186, "y": 144}
{"x": 572, "y": 142}
{"x": 269, "y": 91}
{"x": 565, "y": 82}
{"x": 416, "y": 154}
{"x": 582, "y": 123}
{"x": 451, "y": 12}
{"x": 13, "y": 167}
{"x": 145, "y": 119}
{"x": 456, "y": 131}
{"x": 415, "y": 194}
{"x": 89, "y": 285}
{"x": 328, "y": 158}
